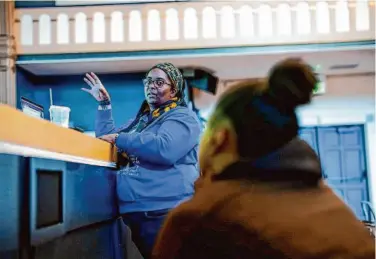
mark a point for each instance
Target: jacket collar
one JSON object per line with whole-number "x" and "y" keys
{"x": 294, "y": 162}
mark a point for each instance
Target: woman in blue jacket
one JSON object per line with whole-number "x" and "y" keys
{"x": 161, "y": 144}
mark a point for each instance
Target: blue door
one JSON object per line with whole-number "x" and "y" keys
{"x": 342, "y": 153}
{"x": 310, "y": 136}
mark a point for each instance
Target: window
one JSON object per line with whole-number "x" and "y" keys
{"x": 27, "y": 30}
{"x": 246, "y": 21}
{"x": 154, "y": 25}
{"x": 44, "y": 29}
{"x": 190, "y": 24}
{"x": 99, "y": 28}
{"x": 227, "y": 22}
{"x": 172, "y": 24}
{"x": 62, "y": 29}
{"x": 80, "y": 28}
{"x": 209, "y": 23}
{"x": 117, "y": 27}
{"x": 265, "y": 20}
{"x": 362, "y": 15}
{"x": 322, "y": 17}
{"x": 342, "y": 16}
{"x": 284, "y": 19}
{"x": 135, "y": 26}
{"x": 303, "y": 18}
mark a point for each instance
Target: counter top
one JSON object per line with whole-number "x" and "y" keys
{"x": 24, "y": 135}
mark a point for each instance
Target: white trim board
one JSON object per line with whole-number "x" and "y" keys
{"x": 18, "y": 150}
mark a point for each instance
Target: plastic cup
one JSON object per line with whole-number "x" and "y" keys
{"x": 60, "y": 115}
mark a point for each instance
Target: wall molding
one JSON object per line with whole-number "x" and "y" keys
{"x": 7, "y": 54}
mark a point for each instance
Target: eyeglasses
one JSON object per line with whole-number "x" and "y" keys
{"x": 159, "y": 82}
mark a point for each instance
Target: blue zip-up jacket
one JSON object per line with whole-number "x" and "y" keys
{"x": 165, "y": 161}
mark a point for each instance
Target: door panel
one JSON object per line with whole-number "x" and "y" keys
{"x": 354, "y": 195}
{"x": 331, "y": 163}
{"x": 342, "y": 154}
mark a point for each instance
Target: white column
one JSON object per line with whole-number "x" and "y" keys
{"x": 7, "y": 54}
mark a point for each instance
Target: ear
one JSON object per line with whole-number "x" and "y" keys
{"x": 221, "y": 139}
{"x": 173, "y": 92}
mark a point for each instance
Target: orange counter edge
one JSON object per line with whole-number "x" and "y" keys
{"x": 21, "y": 129}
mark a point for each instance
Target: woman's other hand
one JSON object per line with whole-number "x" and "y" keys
{"x": 97, "y": 89}
{"x": 110, "y": 138}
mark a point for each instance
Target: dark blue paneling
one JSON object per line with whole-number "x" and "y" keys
{"x": 95, "y": 242}
{"x": 34, "y": 4}
{"x": 90, "y": 195}
{"x": 109, "y": 240}
{"x": 126, "y": 92}
{"x": 41, "y": 4}
{"x": 162, "y": 54}
{"x": 10, "y": 198}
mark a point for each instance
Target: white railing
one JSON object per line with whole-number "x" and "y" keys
{"x": 191, "y": 25}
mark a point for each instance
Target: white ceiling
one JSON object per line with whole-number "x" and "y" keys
{"x": 224, "y": 66}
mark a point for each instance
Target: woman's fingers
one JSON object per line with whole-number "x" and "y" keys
{"x": 86, "y": 90}
{"x": 95, "y": 77}
{"x": 88, "y": 82}
{"x": 97, "y": 90}
{"x": 89, "y": 77}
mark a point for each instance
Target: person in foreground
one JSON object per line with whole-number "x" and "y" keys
{"x": 261, "y": 193}
{"x": 161, "y": 144}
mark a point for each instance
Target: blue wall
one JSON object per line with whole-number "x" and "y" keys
{"x": 34, "y": 3}
{"x": 126, "y": 92}
{"x": 52, "y": 3}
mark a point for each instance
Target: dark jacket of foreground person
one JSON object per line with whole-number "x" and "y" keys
{"x": 242, "y": 215}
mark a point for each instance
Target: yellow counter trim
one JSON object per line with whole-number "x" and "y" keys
{"x": 22, "y": 130}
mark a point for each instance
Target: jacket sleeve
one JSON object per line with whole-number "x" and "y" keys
{"x": 104, "y": 123}
{"x": 174, "y": 139}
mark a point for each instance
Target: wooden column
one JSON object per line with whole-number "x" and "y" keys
{"x": 7, "y": 54}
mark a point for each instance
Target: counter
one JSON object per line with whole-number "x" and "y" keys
{"x": 57, "y": 190}
{"x": 27, "y": 136}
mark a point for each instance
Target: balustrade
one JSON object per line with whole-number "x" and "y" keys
{"x": 192, "y": 25}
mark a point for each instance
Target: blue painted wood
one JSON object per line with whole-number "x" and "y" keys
{"x": 96, "y": 242}
{"x": 90, "y": 230}
{"x": 43, "y": 4}
{"x": 90, "y": 195}
{"x": 342, "y": 153}
{"x": 34, "y": 4}
{"x": 10, "y": 197}
{"x": 126, "y": 90}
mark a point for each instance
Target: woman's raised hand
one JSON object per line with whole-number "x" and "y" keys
{"x": 97, "y": 89}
